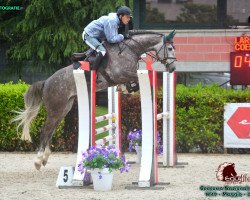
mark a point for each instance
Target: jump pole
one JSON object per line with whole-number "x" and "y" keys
{"x": 149, "y": 162}
{"x": 169, "y": 121}
{"x": 169, "y": 131}
{"x": 114, "y": 106}
{"x": 148, "y": 171}
{"x": 84, "y": 121}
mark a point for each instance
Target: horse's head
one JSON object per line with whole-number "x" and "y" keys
{"x": 226, "y": 170}
{"x": 229, "y": 170}
{"x": 165, "y": 51}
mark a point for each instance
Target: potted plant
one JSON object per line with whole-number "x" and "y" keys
{"x": 101, "y": 161}
{"x": 135, "y": 141}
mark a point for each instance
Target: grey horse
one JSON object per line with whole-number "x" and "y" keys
{"x": 58, "y": 92}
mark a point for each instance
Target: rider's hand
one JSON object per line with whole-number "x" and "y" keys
{"x": 126, "y": 36}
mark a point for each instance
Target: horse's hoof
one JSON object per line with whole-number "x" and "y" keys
{"x": 37, "y": 166}
{"x": 44, "y": 162}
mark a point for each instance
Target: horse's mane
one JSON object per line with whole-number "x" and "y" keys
{"x": 141, "y": 32}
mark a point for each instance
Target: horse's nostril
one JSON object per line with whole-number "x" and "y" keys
{"x": 170, "y": 49}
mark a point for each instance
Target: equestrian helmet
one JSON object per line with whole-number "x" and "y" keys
{"x": 124, "y": 10}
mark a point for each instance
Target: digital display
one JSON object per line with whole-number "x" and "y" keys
{"x": 242, "y": 43}
{"x": 240, "y": 68}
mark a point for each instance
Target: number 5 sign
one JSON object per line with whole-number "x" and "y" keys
{"x": 65, "y": 176}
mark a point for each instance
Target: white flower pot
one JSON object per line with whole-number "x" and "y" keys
{"x": 138, "y": 153}
{"x": 105, "y": 182}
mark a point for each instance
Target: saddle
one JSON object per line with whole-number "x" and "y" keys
{"x": 81, "y": 56}
{"x": 89, "y": 56}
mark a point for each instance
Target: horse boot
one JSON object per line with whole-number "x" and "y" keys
{"x": 96, "y": 64}
{"x": 132, "y": 86}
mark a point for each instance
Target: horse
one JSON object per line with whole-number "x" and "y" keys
{"x": 58, "y": 92}
{"x": 226, "y": 171}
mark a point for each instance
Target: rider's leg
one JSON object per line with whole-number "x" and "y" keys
{"x": 98, "y": 47}
{"x": 97, "y": 61}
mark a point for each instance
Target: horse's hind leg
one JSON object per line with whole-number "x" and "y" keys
{"x": 51, "y": 123}
{"x": 45, "y": 138}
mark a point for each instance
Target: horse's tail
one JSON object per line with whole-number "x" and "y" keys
{"x": 32, "y": 100}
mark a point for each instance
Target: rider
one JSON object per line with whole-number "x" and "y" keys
{"x": 106, "y": 27}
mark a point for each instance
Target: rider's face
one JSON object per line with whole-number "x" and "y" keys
{"x": 125, "y": 19}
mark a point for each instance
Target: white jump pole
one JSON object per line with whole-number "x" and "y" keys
{"x": 169, "y": 137}
{"x": 118, "y": 119}
{"x": 84, "y": 121}
{"x": 111, "y": 110}
{"x": 87, "y": 119}
{"x": 149, "y": 161}
{"x": 148, "y": 167}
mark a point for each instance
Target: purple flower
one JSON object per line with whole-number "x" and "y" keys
{"x": 102, "y": 157}
{"x": 135, "y": 139}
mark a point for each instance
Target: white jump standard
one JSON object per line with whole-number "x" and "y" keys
{"x": 148, "y": 176}
{"x": 87, "y": 120}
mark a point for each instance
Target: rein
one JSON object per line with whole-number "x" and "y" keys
{"x": 155, "y": 57}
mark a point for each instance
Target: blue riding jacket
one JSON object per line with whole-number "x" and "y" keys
{"x": 106, "y": 27}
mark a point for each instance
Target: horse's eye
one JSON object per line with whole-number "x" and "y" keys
{"x": 170, "y": 48}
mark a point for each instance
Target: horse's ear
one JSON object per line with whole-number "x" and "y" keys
{"x": 169, "y": 37}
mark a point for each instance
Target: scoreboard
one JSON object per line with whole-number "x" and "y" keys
{"x": 240, "y": 62}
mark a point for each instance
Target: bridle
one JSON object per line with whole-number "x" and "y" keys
{"x": 155, "y": 57}
{"x": 165, "y": 58}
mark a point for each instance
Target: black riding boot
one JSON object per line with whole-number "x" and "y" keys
{"x": 97, "y": 62}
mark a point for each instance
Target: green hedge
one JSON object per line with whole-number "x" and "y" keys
{"x": 11, "y": 99}
{"x": 199, "y": 118}
{"x": 199, "y": 115}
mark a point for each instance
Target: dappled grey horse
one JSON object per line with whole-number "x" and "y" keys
{"x": 58, "y": 92}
